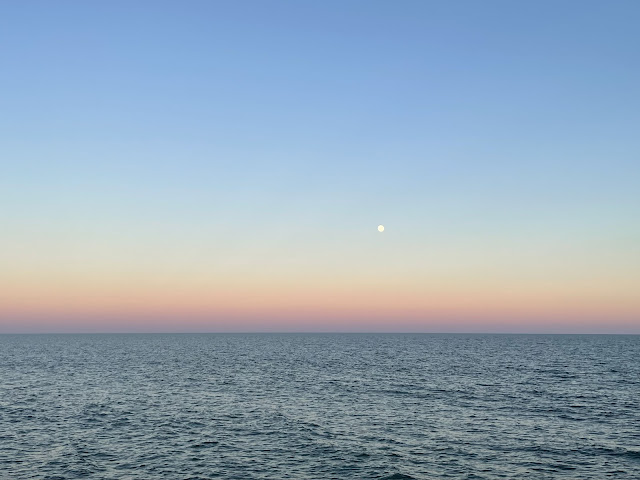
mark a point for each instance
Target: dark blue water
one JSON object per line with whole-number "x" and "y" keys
{"x": 319, "y": 406}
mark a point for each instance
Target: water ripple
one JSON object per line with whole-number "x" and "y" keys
{"x": 199, "y": 407}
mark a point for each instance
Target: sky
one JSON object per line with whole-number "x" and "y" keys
{"x": 178, "y": 166}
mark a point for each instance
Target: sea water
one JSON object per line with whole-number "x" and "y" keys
{"x": 319, "y": 406}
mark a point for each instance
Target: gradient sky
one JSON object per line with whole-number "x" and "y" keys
{"x": 224, "y": 165}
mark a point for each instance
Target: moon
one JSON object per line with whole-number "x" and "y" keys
{"x": 381, "y": 228}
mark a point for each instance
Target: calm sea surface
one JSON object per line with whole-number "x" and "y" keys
{"x": 319, "y": 406}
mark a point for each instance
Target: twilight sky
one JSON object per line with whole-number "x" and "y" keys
{"x": 224, "y": 165}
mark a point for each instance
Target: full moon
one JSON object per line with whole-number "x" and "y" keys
{"x": 381, "y": 228}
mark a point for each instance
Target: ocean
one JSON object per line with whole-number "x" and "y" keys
{"x": 319, "y": 406}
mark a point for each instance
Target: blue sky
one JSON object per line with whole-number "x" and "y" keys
{"x": 288, "y": 129}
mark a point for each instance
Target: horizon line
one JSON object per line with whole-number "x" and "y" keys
{"x": 284, "y": 332}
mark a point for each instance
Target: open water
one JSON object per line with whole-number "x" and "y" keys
{"x": 319, "y": 406}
